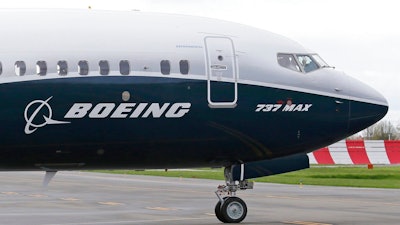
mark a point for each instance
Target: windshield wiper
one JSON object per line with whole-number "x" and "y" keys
{"x": 326, "y": 66}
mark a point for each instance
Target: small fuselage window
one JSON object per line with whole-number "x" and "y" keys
{"x": 184, "y": 67}
{"x": 83, "y": 67}
{"x": 62, "y": 68}
{"x": 165, "y": 67}
{"x": 20, "y": 68}
{"x": 41, "y": 68}
{"x": 124, "y": 67}
{"x": 104, "y": 67}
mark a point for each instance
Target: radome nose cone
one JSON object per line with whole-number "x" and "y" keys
{"x": 367, "y": 107}
{"x": 363, "y": 115}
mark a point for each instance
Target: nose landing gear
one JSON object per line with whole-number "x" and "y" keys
{"x": 231, "y": 209}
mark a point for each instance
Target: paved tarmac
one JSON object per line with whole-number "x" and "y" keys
{"x": 83, "y": 198}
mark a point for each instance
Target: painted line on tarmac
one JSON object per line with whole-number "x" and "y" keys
{"x": 70, "y": 199}
{"x": 305, "y": 223}
{"x": 37, "y": 196}
{"x": 160, "y": 208}
{"x": 10, "y": 193}
{"x": 392, "y": 204}
{"x": 132, "y": 221}
{"x": 111, "y": 203}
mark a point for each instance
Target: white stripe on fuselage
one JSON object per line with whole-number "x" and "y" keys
{"x": 50, "y": 76}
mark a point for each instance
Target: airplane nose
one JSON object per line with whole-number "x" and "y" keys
{"x": 368, "y": 107}
{"x": 363, "y": 115}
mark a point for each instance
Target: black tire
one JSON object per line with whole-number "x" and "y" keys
{"x": 233, "y": 210}
{"x": 218, "y": 213}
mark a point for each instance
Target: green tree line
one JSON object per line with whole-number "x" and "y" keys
{"x": 383, "y": 130}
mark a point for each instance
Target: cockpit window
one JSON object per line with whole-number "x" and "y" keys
{"x": 288, "y": 61}
{"x": 320, "y": 61}
{"x": 301, "y": 62}
{"x": 307, "y": 62}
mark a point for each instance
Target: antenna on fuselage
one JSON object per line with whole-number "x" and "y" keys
{"x": 48, "y": 177}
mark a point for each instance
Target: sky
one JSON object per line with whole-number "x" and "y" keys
{"x": 359, "y": 37}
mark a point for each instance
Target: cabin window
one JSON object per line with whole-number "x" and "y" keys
{"x": 307, "y": 62}
{"x": 104, "y": 67}
{"x": 83, "y": 67}
{"x": 124, "y": 67}
{"x": 165, "y": 67}
{"x": 184, "y": 66}
{"x": 1, "y": 68}
{"x": 62, "y": 68}
{"x": 288, "y": 61}
{"x": 41, "y": 68}
{"x": 20, "y": 68}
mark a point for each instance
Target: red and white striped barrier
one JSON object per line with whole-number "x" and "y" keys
{"x": 358, "y": 152}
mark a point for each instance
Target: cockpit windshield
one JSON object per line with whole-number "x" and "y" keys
{"x": 288, "y": 61}
{"x": 320, "y": 61}
{"x": 301, "y": 62}
{"x": 307, "y": 63}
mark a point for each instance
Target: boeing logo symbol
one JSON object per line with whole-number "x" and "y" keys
{"x": 36, "y": 106}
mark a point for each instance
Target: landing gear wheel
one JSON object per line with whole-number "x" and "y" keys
{"x": 218, "y": 211}
{"x": 233, "y": 210}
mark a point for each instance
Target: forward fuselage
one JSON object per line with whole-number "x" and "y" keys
{"x": 88, "y": 90}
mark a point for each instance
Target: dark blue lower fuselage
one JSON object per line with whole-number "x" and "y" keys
{"x": 204, "y": 136}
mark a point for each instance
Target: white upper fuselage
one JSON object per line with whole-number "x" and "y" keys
{"x": 83, "y": 89}
{"x": 145, "y": 39}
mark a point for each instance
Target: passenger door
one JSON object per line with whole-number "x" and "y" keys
{"x": 222, "y": 72}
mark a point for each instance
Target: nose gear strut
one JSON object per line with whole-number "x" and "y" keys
{"x": 231, "y": 209}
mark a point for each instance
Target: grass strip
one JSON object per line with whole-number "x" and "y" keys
{"x": 348, "y": 176}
